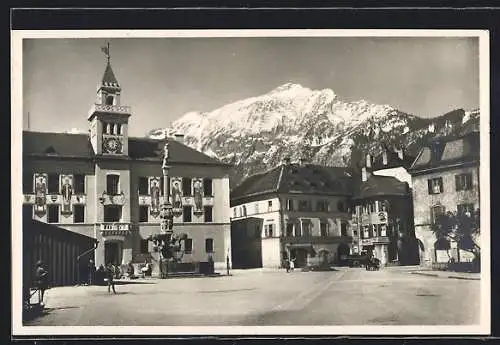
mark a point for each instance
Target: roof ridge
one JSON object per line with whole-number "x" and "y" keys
{"x": 51, "y": 133}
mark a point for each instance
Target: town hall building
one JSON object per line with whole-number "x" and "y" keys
{"x": 108, "y": 186}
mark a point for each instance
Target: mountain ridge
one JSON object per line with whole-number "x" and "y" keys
{"x": 256, "y": 133}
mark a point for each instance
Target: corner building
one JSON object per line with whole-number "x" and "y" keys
{"x": 445, "y": 178}
{"x": 108, "y": 186}
{"x": 296, "y": 210}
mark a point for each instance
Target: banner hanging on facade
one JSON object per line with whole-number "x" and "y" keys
{"x": 66, "y": 183}
{"x": 40, "y": 194}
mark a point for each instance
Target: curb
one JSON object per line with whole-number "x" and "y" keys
{"x": 449, "y": 277}
{"x": 463, "y": 278}
{"x": 426, "y": 274}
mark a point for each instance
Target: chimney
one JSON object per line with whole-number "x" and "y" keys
{"x": 179, "y": 138}
{"x": 368, "y": 161}
{"x": 364, "y": 176}
{"x": 286, "y": 160}
{"x": 384, "y": 157}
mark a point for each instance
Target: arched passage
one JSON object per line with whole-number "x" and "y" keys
{"x": 342, "y": 251}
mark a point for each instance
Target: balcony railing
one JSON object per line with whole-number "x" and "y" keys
{"x": 115, "y": 226}
{"x": 374, "y": 240}
{"x": 111, "y": 229}
{"x": 118, "y": 109}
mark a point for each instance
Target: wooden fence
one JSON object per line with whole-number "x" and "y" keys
{"x": 58, "y": 248}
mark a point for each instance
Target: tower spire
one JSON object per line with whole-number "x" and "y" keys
{"x": 108, "y": 79}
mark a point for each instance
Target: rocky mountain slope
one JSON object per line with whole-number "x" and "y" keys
{"x": 293, "y": 121}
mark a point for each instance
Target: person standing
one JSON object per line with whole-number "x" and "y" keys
{"x": 91, "y": 272}
{"x": 292, "y": 264}
{"x": 110, "y": 275}
{"x": 42, "y": 276}
{"x": 287, "y": 265}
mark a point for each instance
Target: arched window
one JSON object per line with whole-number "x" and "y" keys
{"x": 244, "y": 211}
{"x": 109, "y": 100}
{"x": 108, "y": 128}
{"x": 115, "y": 128}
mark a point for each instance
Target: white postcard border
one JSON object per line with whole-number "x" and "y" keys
{"x": 16, "y": 163}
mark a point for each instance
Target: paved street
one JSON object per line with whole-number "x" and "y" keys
{"x": 259, "y": 297}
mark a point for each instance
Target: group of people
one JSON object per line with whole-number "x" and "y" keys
{"x": 110, "y": 272}
{"x": 102, "y": 275}
{"x": 289, "y": 265}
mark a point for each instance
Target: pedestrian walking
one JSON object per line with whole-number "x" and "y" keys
{"x": 110, "y": 276}
{"x": 287, "y": 265}
{"x": 292, "y": 264}
{"x": 42, "y": 280}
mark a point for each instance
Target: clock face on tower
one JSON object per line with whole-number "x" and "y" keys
{"x": 112, "y": 145}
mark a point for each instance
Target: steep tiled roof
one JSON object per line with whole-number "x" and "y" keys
{"x": 296, "y": 178}
{"x": 78, "y": 146}
{"x": 393, "y": 161}
{"x": 444, "y": 152}
{"x": 311, "y": 178}
{"x": 140, "y": 148}
{"x": 57, "y": 144}
{"x": 258, "y": 183}
{"x": 109, "y": 79}
{"x": 380, "y": 186}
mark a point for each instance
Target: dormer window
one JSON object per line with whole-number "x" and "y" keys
{"x": 109, "y": 100}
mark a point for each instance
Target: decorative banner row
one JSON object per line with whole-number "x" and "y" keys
{"x": 155, "y": 204}
{"x": 41, "y": 197}
{"x": 176, "y": 192}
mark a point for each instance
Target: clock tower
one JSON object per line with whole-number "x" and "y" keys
{"x": 108, "y": 119}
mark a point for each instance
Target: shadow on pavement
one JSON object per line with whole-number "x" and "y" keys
{"x": 127, "y": 282}
{"x": 233, "y": 290}
{"x": 37, "y": 313}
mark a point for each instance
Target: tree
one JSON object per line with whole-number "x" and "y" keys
{"x": 460, "y": 227}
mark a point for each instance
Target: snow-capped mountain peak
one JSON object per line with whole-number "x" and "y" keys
{"x": 291, "y": 120}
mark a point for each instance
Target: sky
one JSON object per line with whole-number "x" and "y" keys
{"x": 164, "y": 78}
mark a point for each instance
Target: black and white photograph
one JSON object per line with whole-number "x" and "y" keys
{"x": 250, "y": 182}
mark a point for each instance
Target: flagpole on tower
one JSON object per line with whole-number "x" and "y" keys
{"x": 105, "y": 50}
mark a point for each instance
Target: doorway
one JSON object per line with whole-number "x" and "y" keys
{"x": 112, "y": 253}
{"x": 343, "y": 251}
{"x": 300, "y": 256}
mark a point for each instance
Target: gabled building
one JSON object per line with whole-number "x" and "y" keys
{"x": 296, "y": 210}
{"x": 108, "y": 186}
{"x": 445, "y": 177}
{"x": 382, "y": 217}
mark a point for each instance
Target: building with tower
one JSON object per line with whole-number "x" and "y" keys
{"x": 108, "y": 186}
